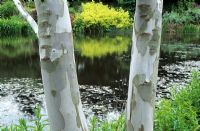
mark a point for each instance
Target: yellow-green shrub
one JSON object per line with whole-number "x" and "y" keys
{"x": 98, "y": 17}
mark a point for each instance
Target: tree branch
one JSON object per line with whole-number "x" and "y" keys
{"x": 26, "y": 16}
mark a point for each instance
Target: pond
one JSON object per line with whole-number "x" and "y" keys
{"x": 103, "y": 69}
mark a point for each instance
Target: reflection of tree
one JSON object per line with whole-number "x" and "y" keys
{"x": 111, "y": 70}
{"x": 18, "y": 57}
{"x": 181, "y": 37}
{"x": 102, "y": 71}
{"x": 174, "y": 51}
{"x": 102, "y": 61}
{"x": 20, "y": 67}
{"x": 98, "y": 47}
{"x": 16, "y": 47}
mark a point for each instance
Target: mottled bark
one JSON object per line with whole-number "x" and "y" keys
{"x": 58, "y": 67}
{"x": 144, "y": 65}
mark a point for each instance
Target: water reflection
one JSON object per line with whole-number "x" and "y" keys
{"x": 180, "y": 51}
{"x": 101, "y": 46}
{"x": 17, "y": 47}
{"x": 102, "y": 67}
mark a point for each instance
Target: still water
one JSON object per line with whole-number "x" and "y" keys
{"x": 102, "y": 67}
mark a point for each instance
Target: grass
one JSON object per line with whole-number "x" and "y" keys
{"x": 105, "y": 125}
{"x": 7, "y": 9}
{"x": 37, "y": 124}
{"x": 14, "y": 26}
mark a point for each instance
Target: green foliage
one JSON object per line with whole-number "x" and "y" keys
{"x": 38, "y": 123}
{"x": 191, "y": 16}
{"x": 176, "y": 18}
{"x": 195, "y": 14}
{"x": 184, "y": 5}
{"x": 98, "y": 17}
{"x": 182, "y": 111}
{"x": 190, "y": 28}
{"x": 29, "y": 5}
{"x": 7, "y": 9}
{"x": 105, "y": 125}
{"x": 128, "y": 5}
{"x": 14, "y": 26}
{"x": 186, "y": 22}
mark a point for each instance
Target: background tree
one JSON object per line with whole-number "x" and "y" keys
{"x": 144, "y": 65}
{"x": 57, "y": 64}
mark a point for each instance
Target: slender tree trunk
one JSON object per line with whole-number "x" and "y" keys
{"x": 58, "y": 67}
{"x": 144, "y": 65}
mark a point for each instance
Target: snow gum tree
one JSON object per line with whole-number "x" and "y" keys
{"x": 59, "y": 75}
{"x": 144, "y": 65}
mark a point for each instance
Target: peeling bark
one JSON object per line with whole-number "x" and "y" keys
{"x": 59, "y": 75}
{"x": 58, "y": 67}
{"x": 144, "y": 65}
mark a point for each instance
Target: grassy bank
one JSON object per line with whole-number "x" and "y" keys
{"x": 11, "y": 23}
{"x": 180, "y": 113}
{"x": 14, "y": 26}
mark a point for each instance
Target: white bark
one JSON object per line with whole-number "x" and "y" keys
{"x": 26, "y": 16}
{"x": 144, "y": 65}
{"x": 58, "y": 66}
{"x": 59, "y": 75}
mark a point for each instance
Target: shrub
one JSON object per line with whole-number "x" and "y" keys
{"x": 182, "y": 111}
{"x": 14, "y": 26}
{"x": 184, "y": 5}
{"x": 176, "y": 18}
{"x": 128, "y": 4}
{"x": 99, "y": 17}
{"x": 190, "y": 16}
{"x": 195, "y": 13}
{"x": 7, "y": 9}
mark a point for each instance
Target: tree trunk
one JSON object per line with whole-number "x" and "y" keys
{"x": 58, "y": 67}
{"x": 144, "y": 65}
